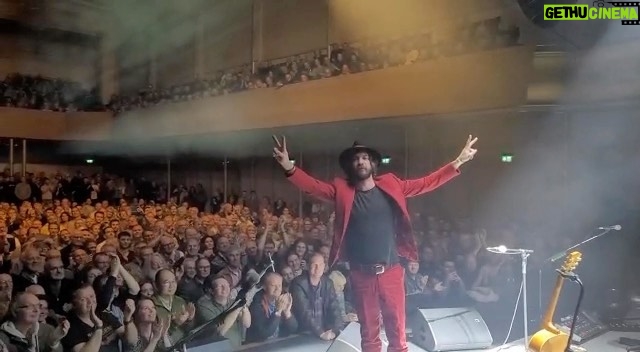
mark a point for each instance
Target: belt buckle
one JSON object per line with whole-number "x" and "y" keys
{"x": 379, "y": 269}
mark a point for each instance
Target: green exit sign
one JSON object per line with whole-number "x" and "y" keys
{"x": 506, "y": 157}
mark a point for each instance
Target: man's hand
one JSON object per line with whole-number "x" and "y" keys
{"x": 423, "y": 281}
{"x": 439, "y": 287}
{"x": 282, "y": 303}
{"x": 328, "y": 335}
{"x": 287, "y": 310}
{"x": 129, "y": 309}
{"x": 281, "y": 154}
{"x": 467, "y": 152}
{"x": 97, "y": 323}
{"x": 181, "y": 317}
{"x": 60, "y": 331}
{"x": 191, "y": 309}
{"x": 114, "y": 265}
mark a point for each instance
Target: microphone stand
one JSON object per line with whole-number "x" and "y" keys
{"x": 524, "y": 255}
{"x": 181, "y": 344}
{"x": 239, "y": 302}
{"x": 561, "y": 255}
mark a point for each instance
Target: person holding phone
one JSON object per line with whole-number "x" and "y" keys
{"x": 372, "y": 232}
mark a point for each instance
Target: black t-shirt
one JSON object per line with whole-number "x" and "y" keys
{"x": 79, "y": 332}
{"x": 370, "y": 236}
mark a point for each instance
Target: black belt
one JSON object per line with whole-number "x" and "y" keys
{"x": 376, "y": 269}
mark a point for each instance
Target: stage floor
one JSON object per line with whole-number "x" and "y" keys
{"x": 603, "y": 343}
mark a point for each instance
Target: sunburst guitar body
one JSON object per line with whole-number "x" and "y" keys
{"x": 549, "y": 338}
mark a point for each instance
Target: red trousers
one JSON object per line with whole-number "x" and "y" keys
{"x": 375, "y": 294}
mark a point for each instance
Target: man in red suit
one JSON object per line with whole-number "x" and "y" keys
{"x": 372, "y": 232}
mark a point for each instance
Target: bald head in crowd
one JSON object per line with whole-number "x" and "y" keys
{"x": 35, "y": 290}
{"x": 272, "y": 285}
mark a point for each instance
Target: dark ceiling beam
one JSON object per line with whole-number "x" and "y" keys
{"x": 48, "y": 34}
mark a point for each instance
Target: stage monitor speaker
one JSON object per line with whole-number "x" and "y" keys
{"x": 210, "y": 344}
{"x": 450, "y": 329}
{"x": 534, "y": 10}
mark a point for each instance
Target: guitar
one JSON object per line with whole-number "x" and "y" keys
{"x": 549, "y": 338}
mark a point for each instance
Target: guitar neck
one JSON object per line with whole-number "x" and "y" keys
{"x": 547, "y": 319}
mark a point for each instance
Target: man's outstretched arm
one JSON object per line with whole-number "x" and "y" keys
{"x": 418, "y": 186}
{"x": 301, "y": 179}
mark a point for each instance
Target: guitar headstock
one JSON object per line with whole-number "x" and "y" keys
{"x": 571, "y": 262}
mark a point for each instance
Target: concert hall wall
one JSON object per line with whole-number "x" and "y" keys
{"x": 50, "y": 125}
{"x": 26, "y": 55}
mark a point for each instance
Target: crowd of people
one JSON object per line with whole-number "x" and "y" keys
{"x": 343, "y": 59}
{"x": 102, "y": 263}
{"x": 36, "y": 92}
{"x": 41, "y": 93}
{"x": 100, "y": 269}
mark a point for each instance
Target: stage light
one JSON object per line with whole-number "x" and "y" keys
{"x": 506, "y": 157}
{"x": 386, "y": 160}
{"x": 89, "y": 161}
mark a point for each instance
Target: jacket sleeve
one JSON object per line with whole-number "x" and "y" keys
{"x": 104, "y": 295}
{"x": 291, "y": 325}
{"x": 418, "y": 186}
{"x": 261, "y": 327}
{"x": 302, "y": 310}
{"x": 335, "y": 312}
{"x": 311, "y": 185}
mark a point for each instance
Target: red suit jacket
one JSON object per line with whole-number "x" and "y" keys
{"x": 343, "y": 195}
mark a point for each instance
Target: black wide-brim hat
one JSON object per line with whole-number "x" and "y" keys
{"x": 346, "y": 157}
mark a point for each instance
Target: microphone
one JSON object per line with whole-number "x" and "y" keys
{"x": 502, "y": 249}
{"x": 253, "y": 279}
{"x": 557, "y": 256}
{"x": 612, "y": 227}
{"x": 498, "y": 249}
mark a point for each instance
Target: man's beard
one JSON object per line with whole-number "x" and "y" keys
{"x": 362, "y": 174}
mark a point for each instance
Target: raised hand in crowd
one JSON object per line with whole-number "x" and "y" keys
{"x": 159, "y": 329}
{"x": 282, "y": 303}
{"x": 423, "y": 282}
{"x": 60, "y": 331}
{"x": 129, "y": 309}
{"x": 439, "y": 287}
{"x": 97, "y": 323}
{"x": 114, "y": 265}
{"x": 288, "y": 301}
{"x": 186, "y": 314}
{"x": 191, "y": 311}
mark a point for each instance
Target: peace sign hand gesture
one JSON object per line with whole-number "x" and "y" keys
{"x": 281, "y": 154}
{"x": 467, "y": 152}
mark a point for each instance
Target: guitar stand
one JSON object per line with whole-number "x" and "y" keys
{"x": 573, "y": 277}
